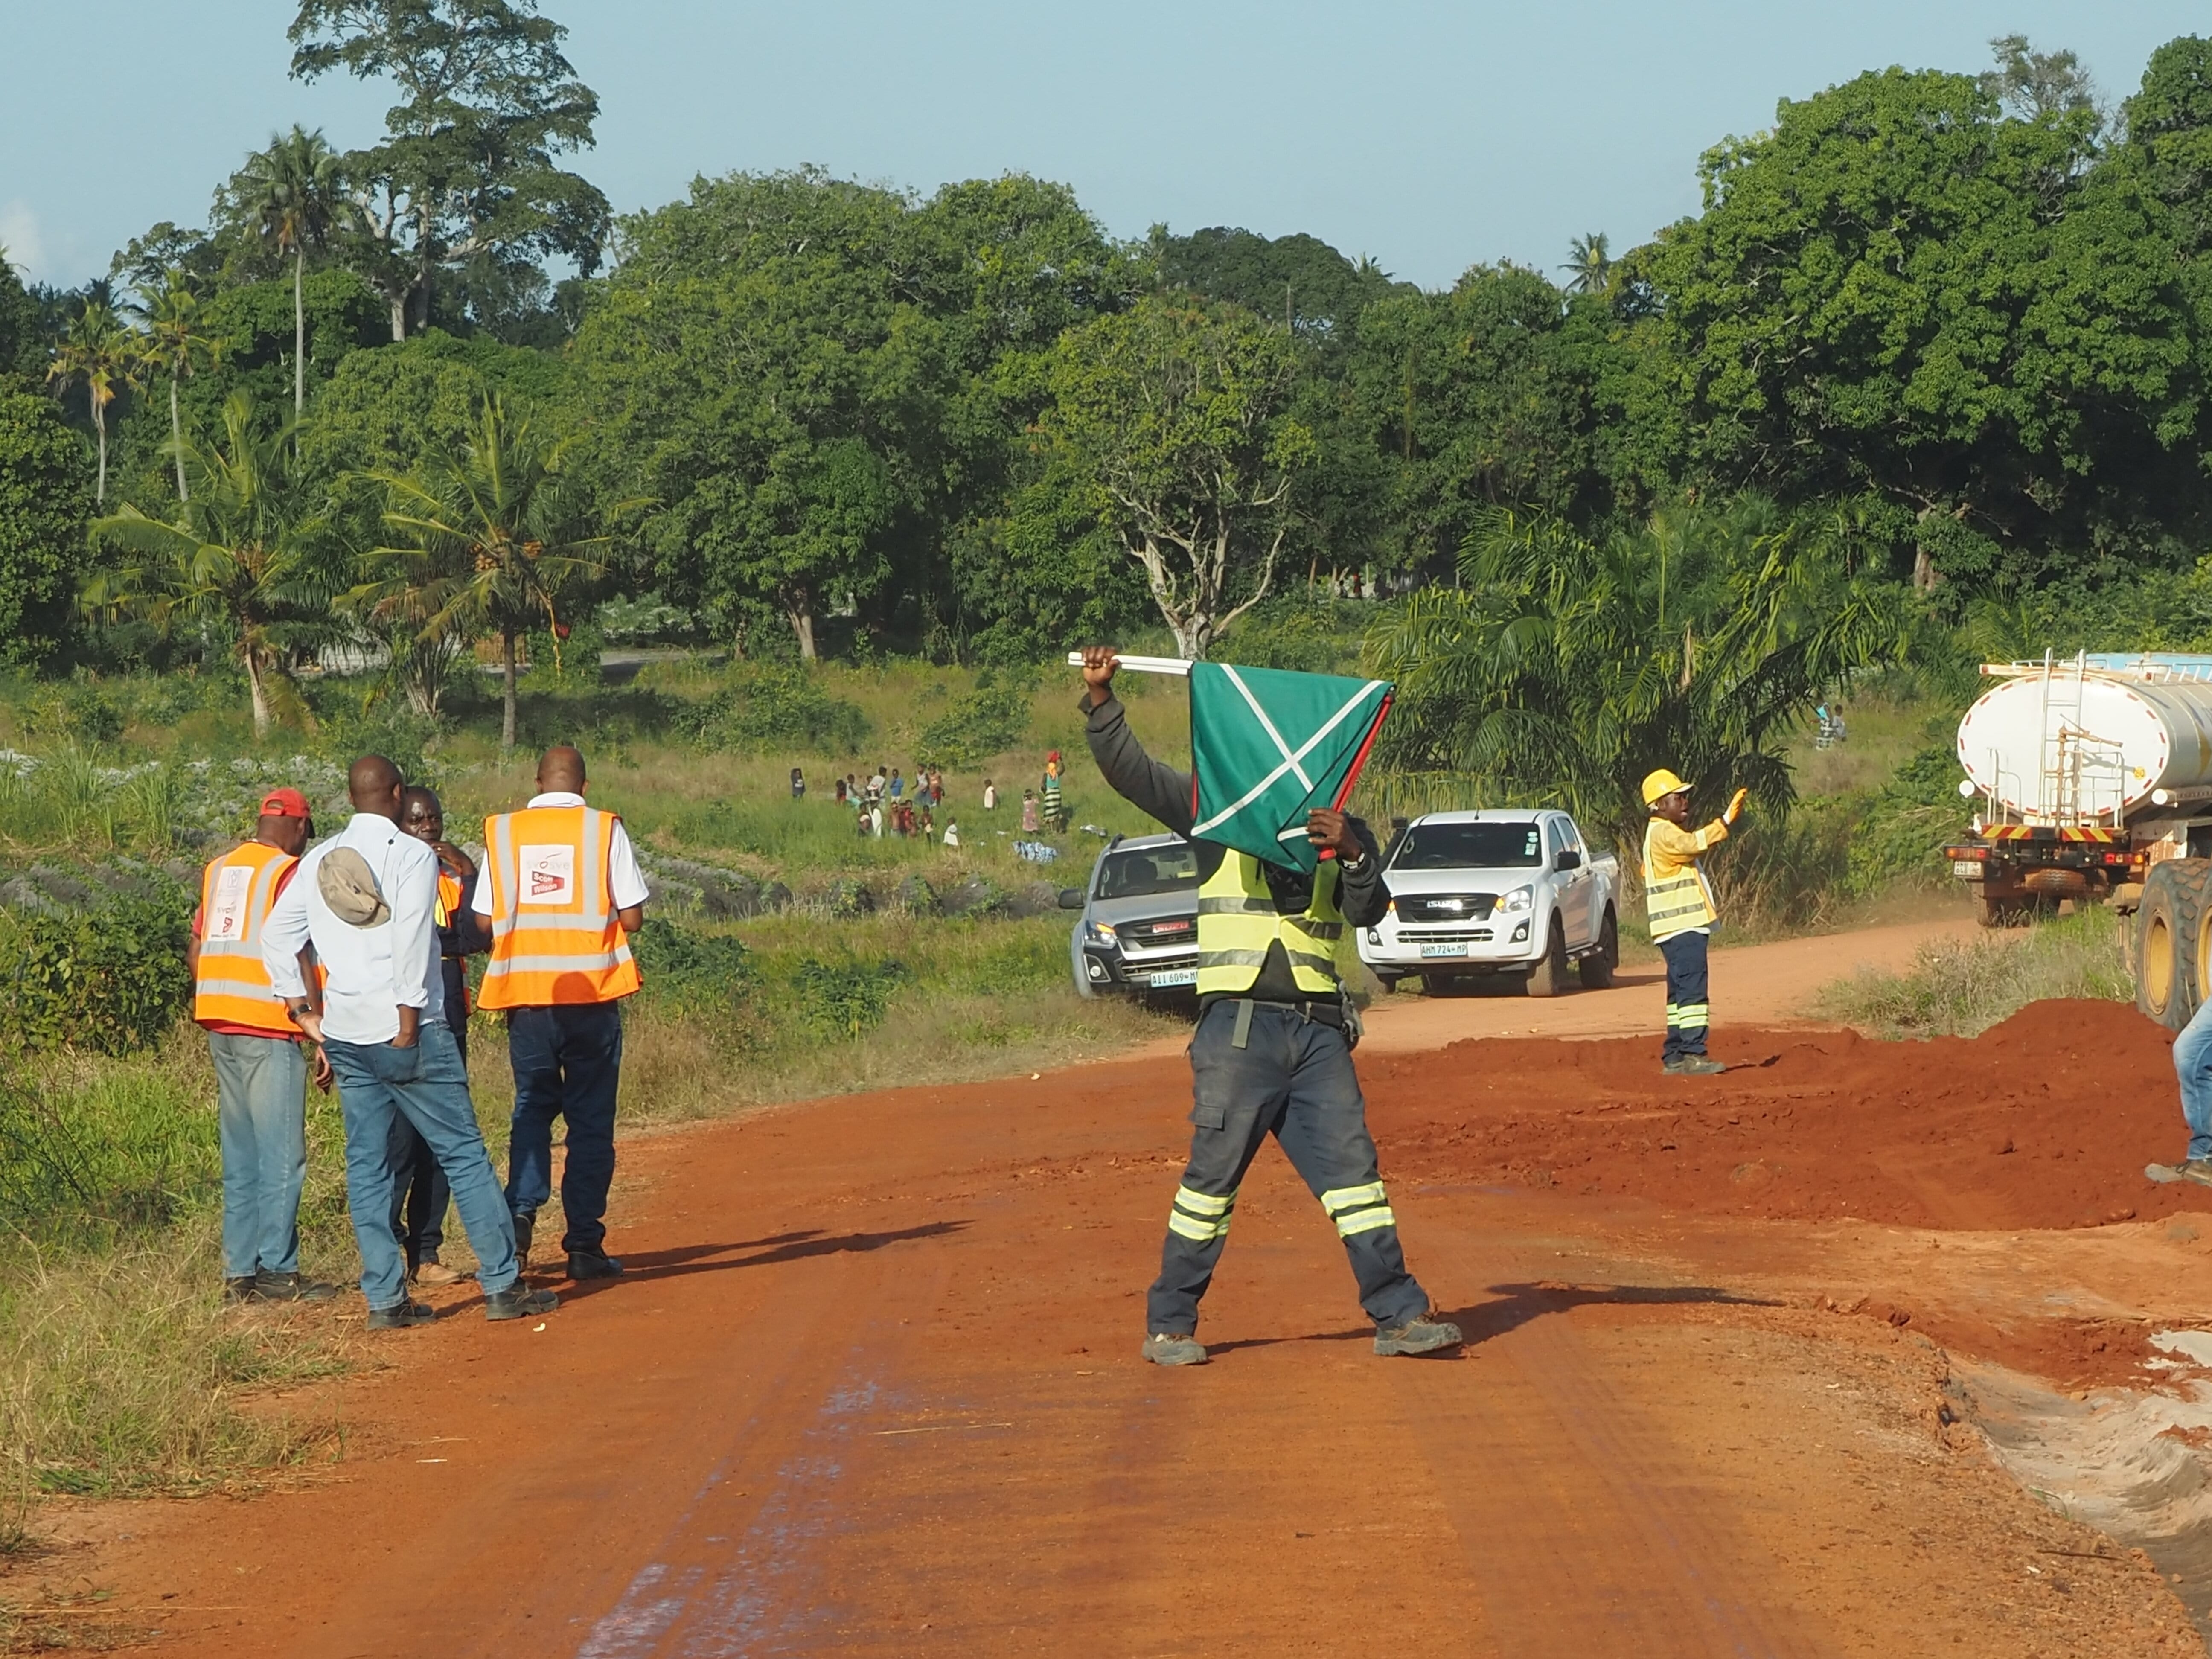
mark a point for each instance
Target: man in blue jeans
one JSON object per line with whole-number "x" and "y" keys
{"x": 2192, "y": 1067}
{"x": 367, "y": 899}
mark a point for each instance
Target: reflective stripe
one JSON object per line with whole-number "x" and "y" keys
{"x": 1203, "y": 1203}
{"x": 1201, "y": 1216}
{"x": 1690, "y": 1014}
{"x": 1348, "y": 1198}
{"x": 1358, "y": 1209}
{"x": 1239, "y": 923}
{"x": 1678, "y": 898}
{"x": 1203, "y": 1232}
{"x": 542, "y": 955}
{"x": 1365, "y": 1221}
{"x": 232, "y": 985}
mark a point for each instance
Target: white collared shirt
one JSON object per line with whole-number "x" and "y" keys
{"x": 625, "y": 881}
{"x": 374, "y": 972}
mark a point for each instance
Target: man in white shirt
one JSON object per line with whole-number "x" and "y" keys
{"x": 562, "y": 893}
{"x": 367, "y": 899}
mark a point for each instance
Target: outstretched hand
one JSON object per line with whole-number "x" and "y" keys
{"x": 1735, "y": 806}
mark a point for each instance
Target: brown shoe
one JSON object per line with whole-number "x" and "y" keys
{"x": 436, "y": 1273}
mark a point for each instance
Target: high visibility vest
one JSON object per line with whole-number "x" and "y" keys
{"x": 1238, "y": 919}
{"x": 555, "y": 936}
{"x": 232, "y": 988}
{"x": 1677, "y": 895}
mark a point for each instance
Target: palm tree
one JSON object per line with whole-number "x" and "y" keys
{"x": 294, "y": 191}
{"x": 99, "y": 350}
{"x": 239, "y": 558}
{"x": 1592, "y": 264}
{"x": 178, "y": 340}
{"x": 491, "y": 537}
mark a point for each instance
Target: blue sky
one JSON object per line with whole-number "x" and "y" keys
{"x": 1429, "y": 135}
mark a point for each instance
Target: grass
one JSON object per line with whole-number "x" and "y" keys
{"x": 1961, "y": 987}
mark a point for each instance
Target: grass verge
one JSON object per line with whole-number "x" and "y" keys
{"x": 1961, "y": 988}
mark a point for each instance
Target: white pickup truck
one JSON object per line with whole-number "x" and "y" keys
{"x": 1499, "y": 891}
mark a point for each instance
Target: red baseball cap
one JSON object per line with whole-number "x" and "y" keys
{"x": 285, "y": 803}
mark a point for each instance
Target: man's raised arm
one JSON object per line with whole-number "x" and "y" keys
{"x": 1143, "y": 782}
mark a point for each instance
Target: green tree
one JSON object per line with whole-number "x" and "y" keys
{"x": 23, "y": 347}
{"x": 1565, "y": 669}
{"x": 1175, "y": 418}
{"x": 466, "y": 179}
{"x": 178, "y": 340}
{"x": 45, "y": 503}
{"x": 241, "y": 559}
{"x": 1591, "y": 266}
{"x": 1298, "y": 278}
{"x": 97, "y": 351}
{"x": 291, "y": 193}
{"x": 492, "y": 537}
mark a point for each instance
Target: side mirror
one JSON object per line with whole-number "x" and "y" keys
{"x": 1071, "y": 898}
{"x": 1568, "y": 859}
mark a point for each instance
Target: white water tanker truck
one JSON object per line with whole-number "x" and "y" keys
{"x": 2093, "y": 781}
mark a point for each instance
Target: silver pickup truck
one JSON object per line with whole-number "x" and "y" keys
{"x": 1499, "y": 891}
{"x": 1139, "y": 931}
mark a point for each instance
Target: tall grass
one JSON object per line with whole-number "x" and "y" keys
{"x": 1961, "y": 988}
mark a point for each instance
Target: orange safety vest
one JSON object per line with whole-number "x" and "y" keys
{"x": 555, "y": 936}
{"x": 237, "y": 891}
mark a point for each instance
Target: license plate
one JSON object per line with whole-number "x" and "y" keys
{"x": 1443, "y": 950}
{"x": 1970, "y": 868}
{"x": 1171, "y": 977}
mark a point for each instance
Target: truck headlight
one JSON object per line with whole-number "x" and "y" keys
{"x": 1517, "y": 901}
{"x": 1100, "y": 933}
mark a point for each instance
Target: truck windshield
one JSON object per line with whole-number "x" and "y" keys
{"x": 1471, "y": 846}
{"x": 1148, "y": 870}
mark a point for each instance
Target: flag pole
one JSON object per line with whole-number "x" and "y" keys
{"x": 1179, "y": 666}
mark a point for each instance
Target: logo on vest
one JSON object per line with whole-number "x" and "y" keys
{"x": 226, "y": 919}
{"x": 549, "y": 874}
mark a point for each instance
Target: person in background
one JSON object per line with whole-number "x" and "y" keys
{"x": 898, "y": 785}
{"x": 260, "y": 1073}
{"x": 798, "y": 784}
{"x": 840, "y": 791}
{"x": 420, "y": 1194}
{"x": 1055, "y": 810}
{"x": 877, "y": 783}
{"x": 1028, "y": 812}
{"x": 873, "y": 817}
{"x": 990, "y": 796}
{"x": 563, "y": 894}
{"x": 367, "y": 899}
{"x": 951, "y": 832}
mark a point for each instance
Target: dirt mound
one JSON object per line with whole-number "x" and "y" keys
{"x": 2045, "y": 1121}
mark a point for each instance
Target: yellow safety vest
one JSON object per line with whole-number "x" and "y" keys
{"x": 1677, "y": 895}
{"x": 556, "y": 939}
{"x": 1238, "y": 919}
{"x": 232, "y": 987}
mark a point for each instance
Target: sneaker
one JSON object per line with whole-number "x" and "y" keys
{"x": 291, "y": 1287}
{"x": 401, "y": 1315}
{"x": 590, "y": 1264}
{"x": 435, "y": 1273}
{"x": 1693, "y": 1065}
{"x": 236, "y": 1292}
{"x": 519, "y": 1301}
{"x": 2198, "y": 1169}
{"x": 525, "y": 1225}
{"x": 1165, "y": 1348}
{"x": 1420, "y": 1334}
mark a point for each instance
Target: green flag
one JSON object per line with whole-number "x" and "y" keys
{"x": 1269, "y": 746}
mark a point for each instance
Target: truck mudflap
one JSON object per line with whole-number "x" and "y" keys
{"x": 2015, "y": 870}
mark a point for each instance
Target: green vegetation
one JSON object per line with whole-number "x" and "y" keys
{"x": 1962, "y": 987}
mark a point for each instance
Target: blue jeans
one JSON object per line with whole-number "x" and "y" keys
{"x": 568, "y": 1064}
{"x": 2192, "y": 1065}
{"x": 1688, "y": 1014}
{"x": 427, "y": 1086}
{"x": 1292, "y": 1078}
{"x": 261, "y": 1120}
{"x": 420, "y": 1193}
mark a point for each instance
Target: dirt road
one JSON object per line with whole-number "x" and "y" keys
{"x": 873, "y": 1386}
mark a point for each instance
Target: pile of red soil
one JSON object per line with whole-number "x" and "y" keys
{"x": 2045, "y": 1121}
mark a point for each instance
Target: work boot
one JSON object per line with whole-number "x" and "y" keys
{"x": 401, "y": 1315}
{"x": 237, "y": 1293}
{"x": 435, "y": 1273}
{"x": 519, "y": 1301}
{"x": 291, "y": 1287}
{"x": 1693, "y": 1065}
{"x": 1166, "y": 1348}
{"x": 593, "y": 1264}
{"x": 1420, "y": 1334}
{"x": 2198, "y": 1169}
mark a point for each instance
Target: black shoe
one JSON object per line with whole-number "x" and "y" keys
{"x": 291, "y": 1287}
{"x": 236, "y": 1292}
{"x": 400, "y": 1316}
{"x": 591, "y": 1264}
{"x": 519, "y": 1301}
{"x": 1693, "y": 1065}
{"x": 1422, "y": 1333}
{"x": 525, "y": 1225}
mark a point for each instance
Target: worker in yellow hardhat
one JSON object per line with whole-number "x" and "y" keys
{"x": 1678, "y": 901}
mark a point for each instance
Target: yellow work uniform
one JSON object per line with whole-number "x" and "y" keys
{"x": 1238, "y": 922}
{"x": 1677, "y": 898}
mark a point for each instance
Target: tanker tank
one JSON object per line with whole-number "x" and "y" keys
{"x": 2090, "y": 740}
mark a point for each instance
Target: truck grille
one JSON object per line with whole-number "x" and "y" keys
{"x": 1446, "y": 906}
{"x": 1449, "y": 936}
{"x": 1162, "y": 933}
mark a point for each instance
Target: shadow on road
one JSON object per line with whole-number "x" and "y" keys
{"x": 1519, "y": 1304}
{"x": 795, "y": 1246}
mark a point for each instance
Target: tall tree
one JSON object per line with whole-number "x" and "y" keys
{"x": 490, "y": 536}
{"x": 291, "y": 193}
{"x": 98, "y": 351}
{"x": 1176, "y": 419}
{"x": 1589, "y": 264}
{"x": 178, "y": 340}
{"x": 466, "y": 175}
{"x": 45, "y": 501}
{"x": 240, "y": 558}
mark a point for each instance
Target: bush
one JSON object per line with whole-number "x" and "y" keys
{"x": 1961, "y": 988}
{"x": 691, "y": 972}
{"x": 843, "y": 1000}
{"x": 111, "y": 978}
{"x": 772, "y": 707}
{"x": 1906, "y": 824}
{"x": 647, "y": 620}
{"x": 989, "y": 720}
{"x": 1308, "y": 636}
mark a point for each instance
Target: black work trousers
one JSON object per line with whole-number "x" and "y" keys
{"x": 1688, "y": 1015}
{"x": 1292, "y": 1078}
{"x": 568, "y": 1064}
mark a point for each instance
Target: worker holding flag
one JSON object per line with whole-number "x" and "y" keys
{"x": 1282, "y": 871}
{"x": 1678, "y": 901}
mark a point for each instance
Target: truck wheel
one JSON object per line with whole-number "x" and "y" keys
{"x": 1596, "y": 969}
{"x": 2166, "y": 935}
{"x": 1388, "y": 982}
{"x": 2193, "y": 883}
{"x": 1548, "y": 978}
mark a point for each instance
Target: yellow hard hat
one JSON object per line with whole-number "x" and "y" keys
{"x": 1662, "y": 782}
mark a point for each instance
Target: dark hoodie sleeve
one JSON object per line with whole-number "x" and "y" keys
{"x": 1361, "y": 894}
{"x": 1143, "y": 782}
